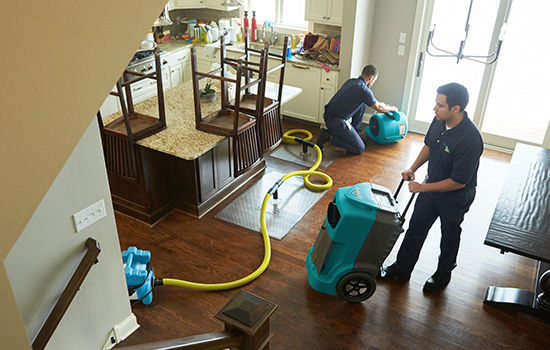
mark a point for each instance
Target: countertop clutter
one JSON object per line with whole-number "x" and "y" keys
{"x": 176, "y": 45}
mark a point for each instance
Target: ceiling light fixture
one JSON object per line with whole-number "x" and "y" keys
{"x": 487, "y": 59}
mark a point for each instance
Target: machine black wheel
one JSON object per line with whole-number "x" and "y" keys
{"x": 356, "y": 287}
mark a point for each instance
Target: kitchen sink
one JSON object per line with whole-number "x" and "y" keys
{"x": 272, "y": 49}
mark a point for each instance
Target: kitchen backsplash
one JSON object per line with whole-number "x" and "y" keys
{"x": 207, "y": 15}
{"x": 331, "y": 31}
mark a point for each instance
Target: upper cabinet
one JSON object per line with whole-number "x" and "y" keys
{"x": 325, "y": 11}
{"x": 186, "y": 4}
{"x": 217, "y": 5}
{"x": 198, "y": 4}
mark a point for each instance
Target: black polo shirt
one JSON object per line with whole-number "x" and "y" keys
{"x": 454, "y": 153}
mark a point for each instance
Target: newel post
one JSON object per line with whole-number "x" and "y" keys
{"x": 249, "y": 314}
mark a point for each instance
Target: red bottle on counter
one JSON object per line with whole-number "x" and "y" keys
{"x": 245, "y": 22}
{"x": 254, "y": 26}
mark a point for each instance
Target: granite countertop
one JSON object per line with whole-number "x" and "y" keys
{"x": 181, "y": 138}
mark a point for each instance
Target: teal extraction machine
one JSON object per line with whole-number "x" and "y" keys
{"x": 360, "y": 230}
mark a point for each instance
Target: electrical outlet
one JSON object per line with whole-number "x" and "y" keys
{"x": 88, "y": 216}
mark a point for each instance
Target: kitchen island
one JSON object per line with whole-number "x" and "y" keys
{"x": 180, "y": 166}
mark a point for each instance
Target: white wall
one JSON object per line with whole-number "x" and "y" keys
{"x": 48, "y": 251}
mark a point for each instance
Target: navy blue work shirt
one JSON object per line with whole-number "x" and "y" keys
{"x": 454, "y": 153}
{"x": 351, "y": 98}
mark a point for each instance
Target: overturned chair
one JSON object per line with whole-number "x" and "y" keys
{"x": 118, "y": 136}
{"x": 267, "y": 110}
{"x": 230, "y": 120}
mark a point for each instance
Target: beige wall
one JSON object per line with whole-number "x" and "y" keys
{"x": 391, "y": 18}
{"x": 370, "y": 35}
{"x": 59, "y": 60}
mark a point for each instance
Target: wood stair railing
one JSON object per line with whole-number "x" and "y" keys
{"x": 246, "y": 317}
{"x": 47, "y": 330}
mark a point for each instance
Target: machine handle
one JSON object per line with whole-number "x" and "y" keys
{"x": 402, "y": 218}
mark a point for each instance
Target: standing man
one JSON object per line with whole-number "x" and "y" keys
{"x": 452, "y": 148}
{"x": 344, "y": 112}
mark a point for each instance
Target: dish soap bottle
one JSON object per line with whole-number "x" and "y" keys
{"x": 254, "y": 27}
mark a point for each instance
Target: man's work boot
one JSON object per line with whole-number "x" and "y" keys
{"x": 324, "y": 136}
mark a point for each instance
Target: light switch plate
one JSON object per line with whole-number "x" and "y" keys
{"x": 88, "y": 216}
{"x": 402, "y": 37}
{"x": 401, "y": 50}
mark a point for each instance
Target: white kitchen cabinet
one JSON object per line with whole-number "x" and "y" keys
{"x": 329, "y": 86}
{"x": 197, "y": 4}
{"x": 186, "y": 4}
{"x": 146, "y": 88}
{"x": 180, "y": 67}
{"x": 325, "y": 11}
{"x": 306, "y": 105}
{"x": 205, "y": 60}
{"x": 217, "y": 5}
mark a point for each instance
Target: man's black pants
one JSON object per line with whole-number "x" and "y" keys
{"x": 450, "y": 209}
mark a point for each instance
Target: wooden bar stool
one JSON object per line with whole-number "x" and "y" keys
{"x": 229, "y": 120}
{"x": 269, "y": 124}
{"x": 119, "y": 136}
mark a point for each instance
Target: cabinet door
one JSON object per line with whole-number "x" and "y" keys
{"x": 316, "y": 11}
{"x": 336, "y": 11}
{"x": 306, "y": 105}
{"x": 224, "y": 164}
{"x": 206, "y": 175}
{"x": 176, "y": 75}
{"x": 217, "y": 5}
{"x": 185, "y": 4}
{"x": 327, "y": 92}
{"x": 180, "y": 67}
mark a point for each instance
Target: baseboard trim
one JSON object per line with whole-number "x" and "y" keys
{"x": 121, "y": 331}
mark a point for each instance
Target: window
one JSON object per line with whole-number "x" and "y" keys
{"x": 283, "y": 13}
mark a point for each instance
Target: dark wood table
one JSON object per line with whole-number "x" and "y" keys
{"x": 521, "y": 225}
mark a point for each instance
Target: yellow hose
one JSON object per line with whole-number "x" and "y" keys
{"x": 267, "y": 246}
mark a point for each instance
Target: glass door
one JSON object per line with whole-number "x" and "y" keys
{"x": 506, "y": 98}
{"x": 515, "y": 108}
{"x": 448, "y": 19}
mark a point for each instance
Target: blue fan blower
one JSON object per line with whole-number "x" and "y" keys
{"x": 387, "y": 127}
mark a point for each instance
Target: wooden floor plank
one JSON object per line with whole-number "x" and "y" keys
{"x": 395, "y": 317}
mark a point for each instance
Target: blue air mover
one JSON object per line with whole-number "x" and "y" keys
{"x": 387, "y": 127}
{"x": 360, "y": 230}
{"x": 139, "y": 273}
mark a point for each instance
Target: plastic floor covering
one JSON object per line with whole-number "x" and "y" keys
{"x": 293, "y": 153}
{"x": 295, "y": 199}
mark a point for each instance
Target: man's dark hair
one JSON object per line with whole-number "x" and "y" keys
{"x": 370, "y": 70}
{"x": 456, "y": 95}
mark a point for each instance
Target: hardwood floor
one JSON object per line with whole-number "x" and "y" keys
{"x": 395, "y": 317}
